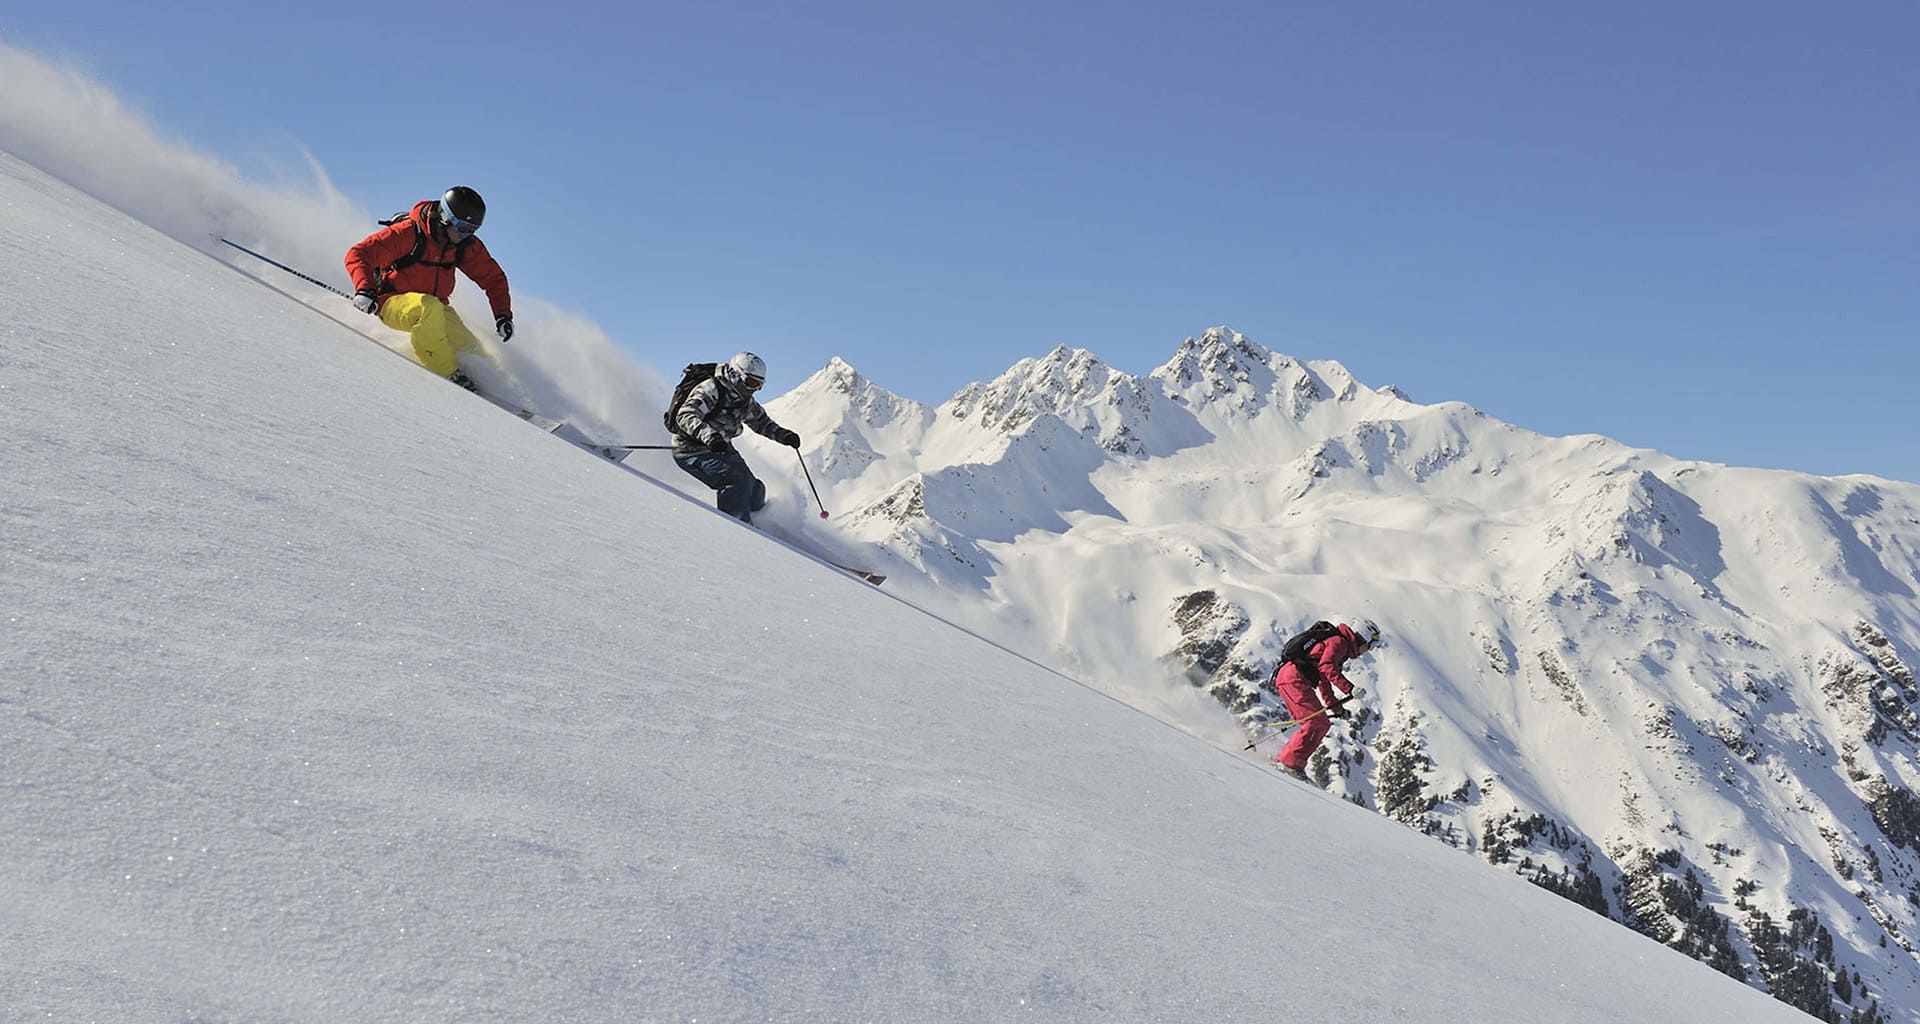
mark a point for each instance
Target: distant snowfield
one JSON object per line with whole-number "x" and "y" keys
{"x": 332, "y": 693}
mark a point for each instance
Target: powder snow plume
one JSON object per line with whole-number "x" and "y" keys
{"x": 62, "y": 120}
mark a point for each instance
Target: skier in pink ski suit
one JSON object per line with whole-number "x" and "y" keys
{"x": 1305, "y": 697}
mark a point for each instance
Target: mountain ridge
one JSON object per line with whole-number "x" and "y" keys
{"x": 1623, "y": 649}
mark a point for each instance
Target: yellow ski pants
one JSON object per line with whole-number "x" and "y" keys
{"x": 438, "y": 334}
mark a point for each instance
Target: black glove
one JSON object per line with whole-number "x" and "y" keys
{"x": 788, "y": 438}
{"x": 366, "y": 302}
{"x": 503, "y": 326}
{"x": 719, "y": 443}
{"x": 1337, "y": 709}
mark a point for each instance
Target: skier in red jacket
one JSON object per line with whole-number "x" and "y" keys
{"x": 403, "y": 274}
{"x": 1316, "y": 683}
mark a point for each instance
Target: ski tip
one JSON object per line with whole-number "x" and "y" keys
{"x": 871, "y": 577}
{"x": 541, "y": 421}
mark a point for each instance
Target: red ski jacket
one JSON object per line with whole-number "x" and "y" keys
{"x": 1330, "y": 655}
{"x": 371, "y": 262}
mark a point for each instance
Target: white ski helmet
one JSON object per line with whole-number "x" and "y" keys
{"x": 1367, "y": 632}
{"x": 745, "y": 373}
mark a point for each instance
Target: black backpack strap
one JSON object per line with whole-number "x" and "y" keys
{"x": 1299, "y": 650}
{"x": 458, "y": 250}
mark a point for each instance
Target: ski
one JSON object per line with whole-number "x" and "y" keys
{"x": 871, "y": 577}
{"x": 538, "y": 420}
{"x": 1291, "y": 774}
{"x": 860, "y": 574}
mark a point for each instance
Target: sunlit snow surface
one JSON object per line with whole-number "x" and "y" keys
{"x": 334, "y": 694}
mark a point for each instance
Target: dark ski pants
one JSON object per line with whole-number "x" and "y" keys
{"x": 740, "y": 495}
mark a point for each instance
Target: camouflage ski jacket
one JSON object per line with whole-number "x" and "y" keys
{"x": 713, "y": 415}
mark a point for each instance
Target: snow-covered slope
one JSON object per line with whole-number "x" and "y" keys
{"x": 1678, "y": 692}
{"x": 332, "y": 693}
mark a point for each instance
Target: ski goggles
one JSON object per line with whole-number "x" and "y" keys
{"x": 456, "y": 225}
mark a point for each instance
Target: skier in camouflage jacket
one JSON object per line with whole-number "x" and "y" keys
{"x": 714, "y": 412}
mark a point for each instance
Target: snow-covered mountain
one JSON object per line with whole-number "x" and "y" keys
{"x": 332, "y": 693}
{"x": 1676, "y": 692}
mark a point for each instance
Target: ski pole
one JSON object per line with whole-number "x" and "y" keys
{"x": 290, "y": 270}
{"x": 815, "y": 490}
{"x": 1276, "y": 728}
{"x": 640, "y": 447}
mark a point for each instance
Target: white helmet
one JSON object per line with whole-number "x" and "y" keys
{"x": 1367, "y": 632}
{"x": 745, "y": 373}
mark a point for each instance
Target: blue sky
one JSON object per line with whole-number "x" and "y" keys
{"x": 1687, "y": 226}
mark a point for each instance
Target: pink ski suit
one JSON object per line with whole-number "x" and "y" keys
{"x": 1302, "y": 700}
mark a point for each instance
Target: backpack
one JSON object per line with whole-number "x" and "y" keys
{"x": 689, "y": 379}
{"x": 1299, "y": 650}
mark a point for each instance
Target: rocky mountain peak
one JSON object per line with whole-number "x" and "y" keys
{"x": 839, "y": 388}
{"x": 1063, "y": 380}
{"x": 1231, "y": 375}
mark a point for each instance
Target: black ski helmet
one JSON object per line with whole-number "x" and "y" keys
{"x": 461, "y": 208}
